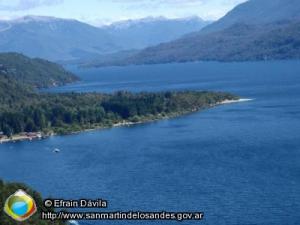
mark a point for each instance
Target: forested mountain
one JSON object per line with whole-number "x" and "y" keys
{"x": 12, "y": 91}
{"x": 258, "y": 12}
{"x": 53, "y": 38}
{"x": 63, "y": 40}
{"x": 23, "y": 109}
{"x": 255, "y": 30}
{"x": 34, "y": 72}
{"x": 239, "y": 42}
{"x": 69, "y": 112}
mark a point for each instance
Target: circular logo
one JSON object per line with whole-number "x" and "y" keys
{"x": 20, "y": 206}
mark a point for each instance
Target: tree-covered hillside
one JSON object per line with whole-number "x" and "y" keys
{"x": 34, "y": 72}
{"x": 253, "y": 30}
{"x": 240, "y": 42}
{"x": 7, "y": 189}
{"x": 23, "y": 109}
{"x": 64, "y": 113}
{"x": 258, "y": 12}
{"x": 12, "y": 91}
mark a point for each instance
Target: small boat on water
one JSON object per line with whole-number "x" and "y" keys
{"x": 73, "y": 222}
{"x": 56, "y": 150}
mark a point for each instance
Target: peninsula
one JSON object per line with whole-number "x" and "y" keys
{"x": 25, "y": 113}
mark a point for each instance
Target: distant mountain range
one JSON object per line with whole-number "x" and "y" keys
{"x": 53, "y": 38}
{"x": 137, "y": 34}
{"x": 254, "y": 30}
{"x": 61, "y": 39}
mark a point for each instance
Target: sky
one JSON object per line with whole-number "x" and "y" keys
{"x": 99, "y": 12}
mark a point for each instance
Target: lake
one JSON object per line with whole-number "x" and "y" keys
{"x": 238, "y": 163}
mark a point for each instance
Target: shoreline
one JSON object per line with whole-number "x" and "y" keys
{"x": 22, "y": 137}
{"x": 235, "y": 101}
{"x": 39, "y": 135}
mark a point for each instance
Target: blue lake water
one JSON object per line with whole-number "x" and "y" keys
{"x": 238, "y": 163}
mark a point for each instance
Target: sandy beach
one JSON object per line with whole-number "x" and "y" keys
{"x": 236, "y": 101}
{"x": 21, "y": 137}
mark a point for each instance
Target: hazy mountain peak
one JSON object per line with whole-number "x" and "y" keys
{"x": 28, "y": 19}
{"x": 123, "y": 24}
{"x": 254, "y": 30}
{"x": 148, "y": 20}
{"x": 64, "y": 39}
{"x": 32, "y": 18}
{"x": 259, "y": 12}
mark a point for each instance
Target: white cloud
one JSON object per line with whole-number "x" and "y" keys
{"x": 107, "y": 11}
{"x": 21, "y": 5}
{"x": 181, "y": 3}
{"x": 208, "y": 9}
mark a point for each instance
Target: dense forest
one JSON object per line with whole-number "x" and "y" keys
{"x": 24, "y": 109}
{"x": 64, "y": 113}
{"x": 7, "y": 189}
{"x": 36, "y": 72}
